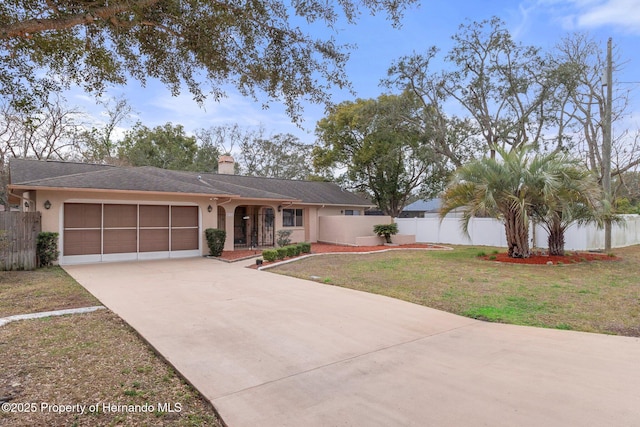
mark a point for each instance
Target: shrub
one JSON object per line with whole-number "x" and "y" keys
{"x": 270, "y": 255}
{"x": 305, "y": 247}
{"x": 215, "y": 240}
{"x": 386, "y": 230}
{"x": 291, "y": 250}
{"x": 284, "y": 238}
{"x": 282, "y": 253}
{"x": 47, "y": 248}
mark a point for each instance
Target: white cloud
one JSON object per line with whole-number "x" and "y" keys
{"x": 231, "y": 109}
{"x": 592, "y": 14}
{"x": 623, "y": 13}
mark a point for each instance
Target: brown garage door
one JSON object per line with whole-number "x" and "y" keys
{"x": 184, "y": 228}
{"x": 82, "y": 226}
{"x": 94, "y": 228}
{"x": 120, "y": 232}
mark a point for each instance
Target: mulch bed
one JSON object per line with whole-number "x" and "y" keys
{"x": 239, "y": 255}
{"x": 541, "y": 259}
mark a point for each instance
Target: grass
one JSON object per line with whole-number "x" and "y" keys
{"x": 84, "y": 359}
{"x": 44, "y": 289}
{"x": 599, "y": 296}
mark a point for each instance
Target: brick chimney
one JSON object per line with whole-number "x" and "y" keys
{"x": 226, "y": 165}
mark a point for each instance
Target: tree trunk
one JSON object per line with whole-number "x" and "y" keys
{"x": 556, "y": 239}
{"x": 517, "y": 233}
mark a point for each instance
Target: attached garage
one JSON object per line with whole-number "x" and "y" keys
{"x": 94, "y": 232}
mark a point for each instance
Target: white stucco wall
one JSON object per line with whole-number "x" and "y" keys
{"x": 343, "y": 230}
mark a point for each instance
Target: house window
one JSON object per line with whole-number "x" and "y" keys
{"x": 292, "y": 217}
{"x": 351, "y": 212}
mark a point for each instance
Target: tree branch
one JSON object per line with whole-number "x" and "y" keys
{"x": 32, "y": 26}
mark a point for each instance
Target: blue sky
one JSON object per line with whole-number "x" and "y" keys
{"x": 536, "y": 22}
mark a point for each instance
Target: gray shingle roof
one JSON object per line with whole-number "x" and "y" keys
{"x": 24, "y": 170}
{"x": 55, "y": 174}
{"x": 316, "y": 192}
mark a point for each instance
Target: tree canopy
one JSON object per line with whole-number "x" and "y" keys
{"x": 254, "y": 45}
{"x": 278, "y": 156}
{"x": 258, "y": 154}
{"x": 502, "y": 87}
{"x": 167, "y": 147}
{"x": 382, "y": 154}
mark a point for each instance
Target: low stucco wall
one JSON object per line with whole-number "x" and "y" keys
{"x": 343, "y": 230}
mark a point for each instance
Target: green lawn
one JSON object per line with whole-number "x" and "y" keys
{"x": 599, "y": 296}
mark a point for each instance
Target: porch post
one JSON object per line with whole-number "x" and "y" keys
{"x": 228, "y": 227}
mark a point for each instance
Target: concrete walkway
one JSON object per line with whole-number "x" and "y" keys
{"x": 269, "y": 350}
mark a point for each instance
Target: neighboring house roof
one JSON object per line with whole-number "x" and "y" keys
{"x": 432, "y": 205}
{"x": 56, "y": 175}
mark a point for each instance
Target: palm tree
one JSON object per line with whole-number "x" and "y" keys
{"x": 488, "y": 187}
{"x": 549, "y": 187}
{"x": 577, "y": 199}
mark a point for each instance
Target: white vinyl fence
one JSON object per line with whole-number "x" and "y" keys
{"x": 490, "y": 232}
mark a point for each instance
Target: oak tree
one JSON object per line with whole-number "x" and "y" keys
{"x": 379, "y": 152}
{"x": 258, "y": 46}
{"x": 166, "y": 147}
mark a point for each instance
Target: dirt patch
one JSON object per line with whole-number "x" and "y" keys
{"x": 542, "y": 259}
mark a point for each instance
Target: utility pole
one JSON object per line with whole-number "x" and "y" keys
{"x": 606, "y": 147}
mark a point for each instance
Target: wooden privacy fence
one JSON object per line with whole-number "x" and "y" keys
{"x": 18, "y": 234}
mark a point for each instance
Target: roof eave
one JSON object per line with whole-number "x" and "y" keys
{"x": 337, "y": 204}
{"x": 115, "y": 191}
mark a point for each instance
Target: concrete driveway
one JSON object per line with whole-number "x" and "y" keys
{"x": 269, "y": 350}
